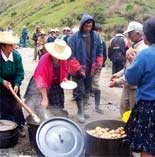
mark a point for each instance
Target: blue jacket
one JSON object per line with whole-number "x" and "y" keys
{"x": 24, "y": 33}
{"x": 78, "y": 60}
{"x": 142, "y": 73}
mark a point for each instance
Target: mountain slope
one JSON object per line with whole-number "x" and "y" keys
{"x": 59, "y": 13}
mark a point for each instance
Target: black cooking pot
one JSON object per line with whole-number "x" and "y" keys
{"x": 33, "y": 126}
{"x": 32, "y": 130}
{"x": 105, "y": 147}
{"x": 8, "y": 133}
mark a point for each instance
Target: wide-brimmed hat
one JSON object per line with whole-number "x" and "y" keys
{"x": 134, "y": 26}
{"x": 51, "y": 30}
{"x": 8, "y": 38}
{"x": 59, "y": 49}
{"x": 42, "y": 32}
{"x": 57, "y": 30}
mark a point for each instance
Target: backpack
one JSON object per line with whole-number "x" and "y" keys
{"x": 117, "y": 52}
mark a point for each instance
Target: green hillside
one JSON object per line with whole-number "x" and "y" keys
{"x": 60, "y": 13}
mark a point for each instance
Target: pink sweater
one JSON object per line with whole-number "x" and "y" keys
{"x": 43, "y": 71}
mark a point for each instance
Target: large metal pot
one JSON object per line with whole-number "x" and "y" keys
{"x": 8, "y": 133}
{"x": 33, "y": 126}
{"x": 60, "y": 137}
{"x": 100, "y": 147}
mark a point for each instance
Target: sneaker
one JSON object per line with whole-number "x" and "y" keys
{"x": 21, "y": 131}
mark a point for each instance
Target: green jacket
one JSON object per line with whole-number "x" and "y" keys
{"x": 12, "y": 71}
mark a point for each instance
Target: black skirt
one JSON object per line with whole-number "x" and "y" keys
{"x": 9, "y": 107}
{"x": 140, "y": 128}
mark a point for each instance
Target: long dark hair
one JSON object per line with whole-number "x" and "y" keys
{"x": 149, "y": 29}
{"x": 1, "y": 45}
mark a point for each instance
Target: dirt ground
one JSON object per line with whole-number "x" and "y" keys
{"x": 109, "y": 103}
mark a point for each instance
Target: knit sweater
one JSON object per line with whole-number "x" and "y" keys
{"x": 12, "y": 71}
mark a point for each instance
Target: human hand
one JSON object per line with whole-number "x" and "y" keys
{"x": 44, "y": 102}
{"x": 6, "y": 84}
{"x": 65, "y": 79}
{"x": 113, "y": 83}
{"x": 16, "y": 89}
{"x": 113, "y": 77}
{"x": 130, "y": 54}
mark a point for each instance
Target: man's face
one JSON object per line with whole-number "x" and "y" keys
{"x": 87, "y": 27}
{"x": 38, "y": 29}
{"x": 134, "y": 36}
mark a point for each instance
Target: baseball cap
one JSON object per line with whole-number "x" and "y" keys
{"x": 134, "y": 26}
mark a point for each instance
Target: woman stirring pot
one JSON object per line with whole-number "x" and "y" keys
{"x": 11, "y": 74}
{"x": 44, "y": 87}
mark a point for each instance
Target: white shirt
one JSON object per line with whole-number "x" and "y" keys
{"x": 10, "y": 58}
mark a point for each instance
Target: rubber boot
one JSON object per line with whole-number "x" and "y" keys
{"x": 97, "y": 94}
{"x": 80, "y": 114}
{"x": 85, "y": 101}
{"x": 85, "y": 104}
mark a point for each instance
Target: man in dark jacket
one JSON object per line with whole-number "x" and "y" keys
{"x": 117, "y": 51}
{"x": 86, "y": 60}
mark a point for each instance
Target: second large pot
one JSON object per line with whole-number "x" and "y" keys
{"x": 105, "y": 147}
{"x": 8, "y": 133}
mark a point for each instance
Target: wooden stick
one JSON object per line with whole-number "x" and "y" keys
{"x": 21, "y": 102}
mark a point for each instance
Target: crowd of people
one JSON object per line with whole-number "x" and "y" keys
{"x": 81, "y": 55}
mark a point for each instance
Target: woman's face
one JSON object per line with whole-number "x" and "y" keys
{"x": 7, "y": 48}
{"x": 55, "y": 59}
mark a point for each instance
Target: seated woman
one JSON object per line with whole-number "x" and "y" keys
{"x": 11, "y": 74}
{"x": 44, "y": 87}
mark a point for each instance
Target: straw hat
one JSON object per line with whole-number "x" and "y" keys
{"x": 57, "y": 30}
{"x": 42, "y": 32}
{"x": 8, "y": 38}
{"x": 59, "y": 49}
{"x": 52, "y": 30}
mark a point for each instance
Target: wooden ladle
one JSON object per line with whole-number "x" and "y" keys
{"x": 34, "y": 116}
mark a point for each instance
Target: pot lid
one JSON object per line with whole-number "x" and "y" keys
{"x": 69, "y": 84}
{"x": 6, "y": 125}
{"x": 60, "y": 137}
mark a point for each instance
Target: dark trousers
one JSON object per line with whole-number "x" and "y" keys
{"x": 81, "y": 93}
{"x": 117, "y": 66}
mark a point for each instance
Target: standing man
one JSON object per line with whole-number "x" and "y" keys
{"x": 117, "y": 51}
{"x": 86, "y": 60}
{"x": 24, "y": 37}
{"x": 135, "y": 34}
{"x": 51, "y": 36}
{"x": 35, "y": 39}
{"x": 66, "y": 33}
{"x": 42, "y": 40}
{"x": 95, "y": 81}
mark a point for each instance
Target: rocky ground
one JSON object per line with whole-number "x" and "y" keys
{"x": 109, "y": 103}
